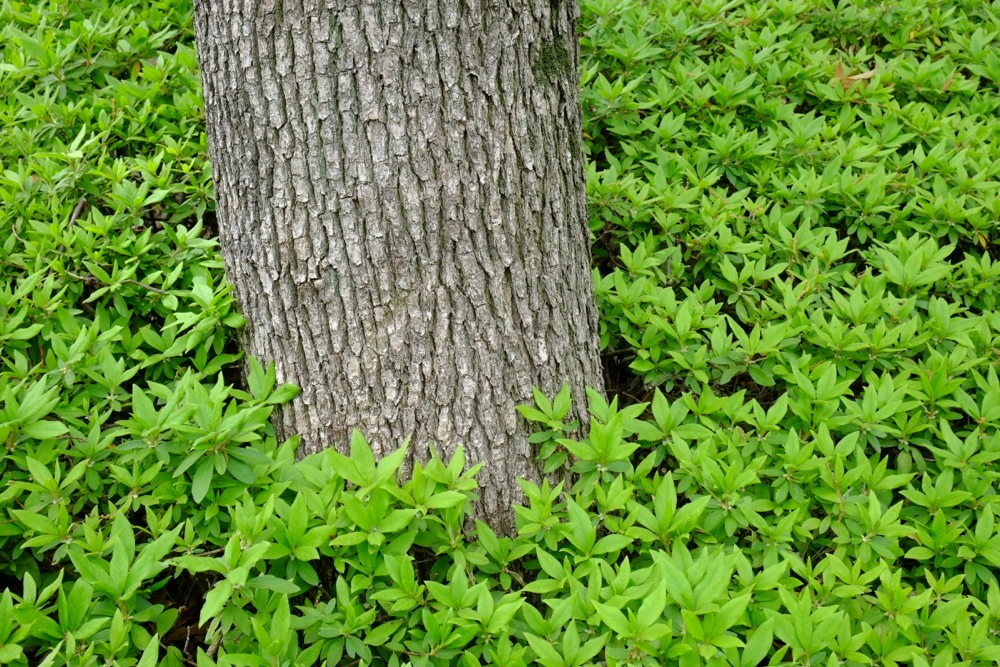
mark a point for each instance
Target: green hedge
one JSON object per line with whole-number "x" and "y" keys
{"x": 797, "y": 252}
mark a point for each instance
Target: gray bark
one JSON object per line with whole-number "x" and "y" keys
{"x": 401, "y": 205}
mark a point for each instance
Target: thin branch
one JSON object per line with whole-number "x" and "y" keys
{"x": 78, "y": 210}
{"x": 127, "y": 280}
{"x": 212, "y": 552}
{"x": 149, "y": 287}
{"x": 13, "y": 230}
{"x": 214, "y": 648}
{"x": 80, "y": 278}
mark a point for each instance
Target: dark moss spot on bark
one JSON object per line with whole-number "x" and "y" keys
{"x": 552, "y": 62}
{"x": 576, "y": 149}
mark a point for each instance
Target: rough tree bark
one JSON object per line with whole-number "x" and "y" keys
{"x": 401, "y": 206}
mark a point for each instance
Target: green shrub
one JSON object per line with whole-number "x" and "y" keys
{"x": 795, "y": 216}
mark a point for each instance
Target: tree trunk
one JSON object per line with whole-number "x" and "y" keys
{"x": 401, "y": 205}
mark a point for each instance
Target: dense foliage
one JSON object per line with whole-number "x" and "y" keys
{"x": 797, "y": 249}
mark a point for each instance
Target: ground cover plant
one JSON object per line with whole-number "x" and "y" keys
{"x": 796, "y": 223}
